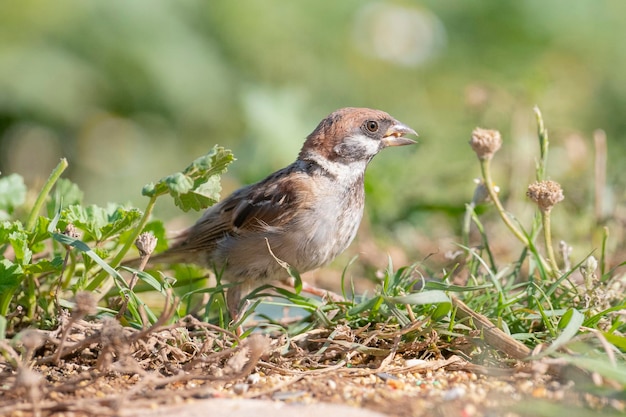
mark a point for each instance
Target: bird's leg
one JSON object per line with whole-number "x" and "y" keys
{"x": 233, "y": 302}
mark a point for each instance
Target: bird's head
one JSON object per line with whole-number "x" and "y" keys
{"x": 352, "y": 135}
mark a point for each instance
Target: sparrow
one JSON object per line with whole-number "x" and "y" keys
{"x": 304, "y": 214}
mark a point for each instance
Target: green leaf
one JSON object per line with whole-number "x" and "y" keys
{"x": 40, "y": 233}
{"x": 570, "y": 323}
{"x": 365, "y": 305}
{"x": 45, "y": 265}
{"x": 12, "y": 194}
{"x": 157, "y": 228}
{"x": 147, "y": 278}
{"x": 7, "y": 228}
{"x": 83, "y": 247}
{"x": 197, "y": 186}
{"x": 441, "y": 311}
{"x": 420, "y": 298}
{"x": 11, "y": 276}
{"x": 19, "y": 242}
{"x": 595, "y": 319}
{"x": 178, "y": 183}
{"x": 65, "y": 194}
{"x": 89, "y": 219}
{"x": 101, "y": 223}
{"x": 615, "y": 339}
{"x": 118, "y": 221}
{"x": 193, "y": 201}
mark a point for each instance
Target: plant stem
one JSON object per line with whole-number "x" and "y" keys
{"x": 547, "y": 235}
{"x": 544, "y": 143}
{"x": 467, "y": 222}
{"x": 43, "y": 194}
{"x": 485, "y": 167}
{"x": 131, "y": 240}
{"x": 136, "y": 232}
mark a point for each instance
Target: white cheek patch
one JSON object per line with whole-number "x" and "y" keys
{"x": 358, "y": 147}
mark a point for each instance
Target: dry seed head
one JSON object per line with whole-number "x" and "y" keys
{"x": 485, "y": 142}
{"x": 28, "y": 378}
{"x": 71, "y": 231}
{"x": 545, "y": 193}
{"x": 146, "y": 242}
{"x": 32, "y": 339}
{"x": 86, "y": 303}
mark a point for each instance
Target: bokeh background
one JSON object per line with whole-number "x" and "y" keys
{"x": 131, "y": 91}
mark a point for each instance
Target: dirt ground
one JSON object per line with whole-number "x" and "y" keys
{"x": 103, "y": 369}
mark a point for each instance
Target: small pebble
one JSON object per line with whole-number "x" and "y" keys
{"x": 385, "y": 376}
{"x": 253, "y": 378}
{"x": 332, "y": 384}
{"x": 454, "y": 393}
{"x": 240, "y": 388}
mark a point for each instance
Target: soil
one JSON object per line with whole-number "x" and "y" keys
{"x": 190, "y": 367}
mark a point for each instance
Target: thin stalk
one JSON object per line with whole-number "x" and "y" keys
{"x": 547, "y": 235}
{"x": 43, "y": 194}
{"x": 467, "y": 222}
{"x": 131, "y": 240}
{"x": 544, "y": 143}
{"x": 485, "y": 167}
{"x": 605, "y": 238}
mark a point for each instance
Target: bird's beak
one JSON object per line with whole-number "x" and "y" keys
{"x": 394, "y": 136}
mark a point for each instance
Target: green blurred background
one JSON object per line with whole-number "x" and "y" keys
{"x": 130, "y": 91}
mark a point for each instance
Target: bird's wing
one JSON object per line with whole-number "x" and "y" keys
{"x": 268, "y": 204}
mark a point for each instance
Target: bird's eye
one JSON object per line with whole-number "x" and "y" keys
{"x": 372, "y": 126}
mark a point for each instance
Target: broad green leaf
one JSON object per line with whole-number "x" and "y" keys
{"x": 118, "y": 221}
{"x": 178, "y": 184}
{"x": 65, "y": 194}
{"x": 89, "y": 219}
{"x": 19, "y": 242}
{"x": 83, "y": 247}
{"x": 193, "y": 201}
{"x": 197, "y": 186}
{"x": 40, "y": 233}
{"x": 7, "y": 228}
{"x": 101, "y": 223}
{"x": 157, "y": 228}
{"x": 12, "y": 194}
{"x": 45, "y": 265}
{"x": 11, "y": 276}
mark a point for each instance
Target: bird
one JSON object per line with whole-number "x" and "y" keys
{"x": 304, "y": 215}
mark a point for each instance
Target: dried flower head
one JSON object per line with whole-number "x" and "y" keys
{"x": 146, "y": 242}
{"x": 28, "y": 378}
{"x": 86, "y": 303}
{"x": 32, "y": 339}
{"x": 71, "y": 231}
{"x": 485, "y": 142}
{"x": 545, "y": 193}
